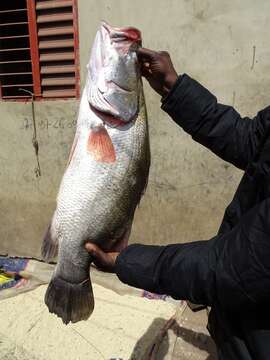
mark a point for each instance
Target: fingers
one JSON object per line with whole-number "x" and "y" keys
{"x": 146, "y": 70}
{"x": 150, "y": 55}
{"x": 146, "y": 54}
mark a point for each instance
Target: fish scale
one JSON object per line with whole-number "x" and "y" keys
{"x": 106, "y": 174}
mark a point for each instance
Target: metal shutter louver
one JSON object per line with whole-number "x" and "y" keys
{"x": 56, "y": 44}
{"x": 15, "y": 57}
{"x": 39, "y": 49}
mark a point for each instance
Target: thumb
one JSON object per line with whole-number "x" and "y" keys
{"x": 146, "y": 74}
{"x": 101, "y": 258}
{"x": 94, "y": 250}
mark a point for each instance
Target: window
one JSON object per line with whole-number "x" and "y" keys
{"x": 38, "y": 49}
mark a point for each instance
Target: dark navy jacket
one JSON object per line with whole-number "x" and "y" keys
{"x": 230, "y": 272}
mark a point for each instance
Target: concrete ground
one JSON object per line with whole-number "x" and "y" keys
{"x": 193, "y": 341}
{"x": 121, "y": 327}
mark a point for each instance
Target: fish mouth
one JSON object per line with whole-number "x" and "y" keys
{"x": 118, "y": 34}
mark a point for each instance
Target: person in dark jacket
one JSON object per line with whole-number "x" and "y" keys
{"x": 231, "y": 272}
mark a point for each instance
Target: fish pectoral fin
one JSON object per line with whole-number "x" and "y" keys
{"x": 100, "y": 145}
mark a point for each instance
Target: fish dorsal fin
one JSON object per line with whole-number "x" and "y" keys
{"x": 73, "y": 147}
{"x": 100, "y": 145}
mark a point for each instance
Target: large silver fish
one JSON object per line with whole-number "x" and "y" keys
{"x": 106, "y": 174}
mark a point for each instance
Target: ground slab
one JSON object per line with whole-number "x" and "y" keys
{"x": 193, "y": 341}
{"x": 121, "y": 327}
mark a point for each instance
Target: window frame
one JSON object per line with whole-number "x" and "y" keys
{"x": 35, "y": 62}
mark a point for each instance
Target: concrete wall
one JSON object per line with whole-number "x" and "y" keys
{"x": 223, "y": 44}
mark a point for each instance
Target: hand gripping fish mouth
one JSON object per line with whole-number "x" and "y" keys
{"x": 106, "y": 174}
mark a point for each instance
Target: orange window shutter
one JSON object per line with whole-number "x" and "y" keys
{"x": 39, "y": 50}
{"x": 57, "y": 44}
{"x": 33, "y": 39}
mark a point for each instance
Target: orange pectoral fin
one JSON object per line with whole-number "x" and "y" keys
{"x": 100, "y": 145}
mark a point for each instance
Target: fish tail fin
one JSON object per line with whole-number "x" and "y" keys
{"x": 50, "y": 244}
{"x": 100, "y": 145}
{"x": 70, "y": 301}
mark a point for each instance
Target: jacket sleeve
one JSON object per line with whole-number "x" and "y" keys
{"x": 181, "y": 270}
{"x": 218, "y": 127}
{"x": 232, "y": 269}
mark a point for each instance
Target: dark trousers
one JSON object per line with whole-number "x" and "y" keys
{"x": 244, "y": 335}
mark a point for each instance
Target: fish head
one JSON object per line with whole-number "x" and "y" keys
{"x": 114, "y": 83}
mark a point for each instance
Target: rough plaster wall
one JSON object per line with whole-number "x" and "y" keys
{"x": 213, "y": 41}
{"x": 223, "y": 44}
{"x": 27, "y": 202}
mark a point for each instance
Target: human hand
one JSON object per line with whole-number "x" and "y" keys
{"x": 105, "y": 261}
{"x": 158, "y": 69}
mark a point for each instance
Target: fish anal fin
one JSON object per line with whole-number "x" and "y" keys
{"x": 50, "y": 244}
{"x": 100, "y": 145}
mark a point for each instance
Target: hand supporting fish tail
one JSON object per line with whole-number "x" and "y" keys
{"x": 105, "y": 261}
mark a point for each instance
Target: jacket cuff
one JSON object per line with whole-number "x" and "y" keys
{"x": 175, "y": 86}
{"x": 187, "y": 103}
{"x": 137, "y": 264}
{"x": 121, "y": 268}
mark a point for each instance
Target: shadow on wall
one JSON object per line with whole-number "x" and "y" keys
{"x": 157, "y": 335}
